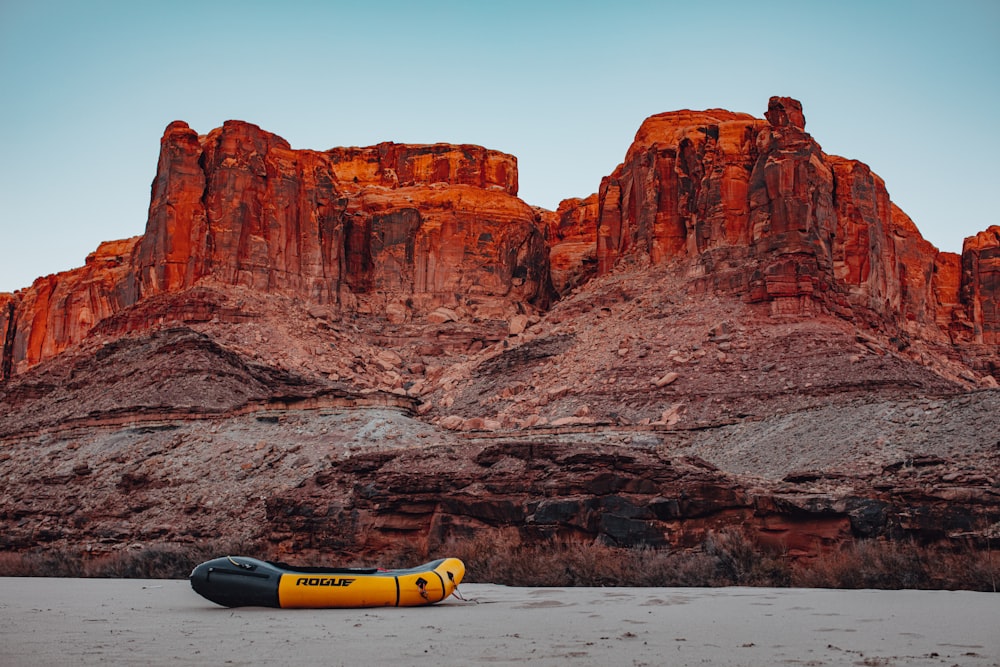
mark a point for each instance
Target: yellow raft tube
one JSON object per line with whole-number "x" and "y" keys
{"x": 238, "y": 581}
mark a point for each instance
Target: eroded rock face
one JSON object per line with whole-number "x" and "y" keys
{"x": 101, "y": 453}
{"x": 792, "y": 215}
{"x": 400, "y": 165}
{"x": 242, "y": 207}
{"x": 573, "y": 242}
{"x": 682, "y": 189}
{"x": 8, "y": 329}
{"x": 758, "y": 209}
{"x": 981, "y": 284}
{"x": 621, "y": 496}
{"x": 424, "y": 244}
{"x": 736, "y": 204}
{"x": 730, "y": 292}
{"x": 58, "y": 310}
{"x": 170, "y": 255}
{"x": 406, "y": 228}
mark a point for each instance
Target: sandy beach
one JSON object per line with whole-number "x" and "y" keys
{"x": 158, "y": 622}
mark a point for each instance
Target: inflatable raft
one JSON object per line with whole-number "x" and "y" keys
{"x": 237, "y": 581}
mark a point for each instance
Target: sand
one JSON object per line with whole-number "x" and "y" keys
{"x": 157, "y": 622}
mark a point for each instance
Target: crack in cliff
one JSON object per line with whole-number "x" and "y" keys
{"x": 204, "y": 199}
{"x": 7, "y": 360}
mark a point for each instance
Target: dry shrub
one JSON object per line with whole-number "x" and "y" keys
{"x": 729, "y": 558}
{"x": 42, "y": 564}
{"x": 155, "y": 562}
{"x": 972, "y": 570}
{"x": 897, "y": 565}
{"x": 865, "y": 564}
{"x": 687, "y": 568}
{"x": 741, "y": 562}
{"x": 503, "y": 559}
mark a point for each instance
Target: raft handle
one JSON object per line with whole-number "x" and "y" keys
{"x": 244, "y": 566}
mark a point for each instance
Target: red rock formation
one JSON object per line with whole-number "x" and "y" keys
{"x": 58, "y": 310}
{"x": 244, "y": 208}
{"x": 399, "y": 165}
{"x": 8, "y": 329}
{"x": 980, "y": 289}
{"x": 573, "y": 242}
{"x": 415, "y": 226}
{"x": 274, "y": 287}
{"x": 950, "y": 315}
{"x": 426, "y": 244}
{"x": 682, "y": 188}
{"x": 792, "y": 217}
{"x": 747, "y": 206}
{"x": 240, "y": 206}
{"x": 623, "y": 496}
{"x": 170, "y": 254}
{"x": 758, "y": 209}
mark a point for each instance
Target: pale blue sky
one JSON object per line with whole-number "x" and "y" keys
{"x": 912, "y": 88}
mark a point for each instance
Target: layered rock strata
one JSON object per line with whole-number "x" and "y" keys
{"x": 242, "y": 206}
{"x": 58, "y": 310}
{"x": 756, "y": 208}
{"x": 310, "y": 481}
{"x": 392, "y": 228}
{"x": 621, "y": 496}
{"x": 741, "y": 205}
{"x": 980, "y": 284}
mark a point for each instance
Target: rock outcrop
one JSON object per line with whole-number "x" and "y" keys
{"x": 8, "y": 330}
{"x": 758, "y": 209}
{"x": 980, "y": 284}
{"x": 240, "y": 206}
{"x": 748, "y": 206}
{"x": 573, "y": 243}
{"x": 393, "y": 165}
{"x": 620, "y": 496}
{"x": 392, "y": 228}
{"x": 58, "y": 310}
{"x": 311, "y": 481}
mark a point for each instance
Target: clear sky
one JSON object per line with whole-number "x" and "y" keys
{"x": 912, "y": 88}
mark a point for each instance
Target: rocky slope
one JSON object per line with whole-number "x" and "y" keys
{"x": 349, "y": 349}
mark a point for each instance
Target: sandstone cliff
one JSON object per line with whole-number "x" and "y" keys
{"x": 749, "y": 206}
{"x": 58, "y": 310}
{"x": 573, "y": 242}
{"x": 392, "y": 229}
{"x": 757, "y": 209}
{"x": 980, "y": 285}
{"x": 240, "y": 206}
{"x": 736, "y": 329}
